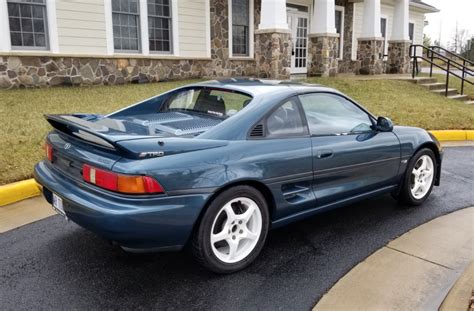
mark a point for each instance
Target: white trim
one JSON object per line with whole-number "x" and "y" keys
{"x": 341, "y": 35}
{"x": 308, "y": 15}
{"x": 52, "y": 26}
{"x": 174, "y": 27}
{"x": 143, "y": 17}
{"x": 410, "y": 21}
{"x": 109, "y": 28}
{"x": 251, "y": 31}
{"x": 5, "y": 44}
{"x": 208, "y": 27}
{"x": 354, "y": 40}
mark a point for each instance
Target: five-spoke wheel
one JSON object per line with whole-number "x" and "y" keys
{"x": 233, "y": 230}
{"x": 419, "y": 178}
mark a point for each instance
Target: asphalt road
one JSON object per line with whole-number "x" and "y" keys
{"x": 52, "y": 264}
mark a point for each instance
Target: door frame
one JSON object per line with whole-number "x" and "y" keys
{"x": 289, "y": 12}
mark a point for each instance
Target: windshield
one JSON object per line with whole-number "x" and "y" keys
{"x": 217, "y": 102}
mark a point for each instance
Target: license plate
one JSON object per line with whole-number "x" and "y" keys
{"x": 58, "y": 204}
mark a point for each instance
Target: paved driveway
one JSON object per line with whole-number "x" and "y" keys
{"x": 54, "y": 264}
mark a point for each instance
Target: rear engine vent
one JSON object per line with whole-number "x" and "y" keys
{"x": 257, "y": 131}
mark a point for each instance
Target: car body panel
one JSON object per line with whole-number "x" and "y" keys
{"x": 194, "y": 168}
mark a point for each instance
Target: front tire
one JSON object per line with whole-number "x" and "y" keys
{"x": 419, "y": 178}
{"x": 232, "y": 231}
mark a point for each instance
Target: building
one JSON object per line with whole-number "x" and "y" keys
{"x": 83, "y": 42}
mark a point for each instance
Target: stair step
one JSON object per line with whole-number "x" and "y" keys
{"x": 423, "y": 80}
{"x": 443, "y": 92}
{"x": 470, "y": 102}
{"x": 459, "y": 97}
{"x": 434, "y": 86}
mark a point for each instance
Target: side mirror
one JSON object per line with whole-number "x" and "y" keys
{"x": 384, "y": 124}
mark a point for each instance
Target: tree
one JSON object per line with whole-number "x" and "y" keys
{"x": 459, "y": 40}
{"x": 426, "y": 40}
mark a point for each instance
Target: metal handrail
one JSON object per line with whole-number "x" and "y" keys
{"x": 451, "y": 53}
{"x": 450, "y": 63}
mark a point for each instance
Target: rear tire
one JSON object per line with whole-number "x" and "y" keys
{"x": 232, "y": 231}
{"x": 419, "y": 178}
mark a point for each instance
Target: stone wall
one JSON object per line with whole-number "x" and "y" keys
{"x": 398, "y": 60}
{"x": 369, "y": 57}
{"x": 273, "y": 55}
{"x": 322, "y": 56}
{"x": 44, "y": 71}
{"x": 346, "y": 64}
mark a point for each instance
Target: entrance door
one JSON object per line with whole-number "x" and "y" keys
{"x": 298, "y": 23}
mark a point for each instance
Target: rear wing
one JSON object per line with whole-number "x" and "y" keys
{"x": 75, "y": 126}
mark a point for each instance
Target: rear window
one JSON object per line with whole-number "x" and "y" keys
{"x": 216, "y": 102}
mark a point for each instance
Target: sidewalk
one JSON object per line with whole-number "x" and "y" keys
{"x": 413, "y": 272}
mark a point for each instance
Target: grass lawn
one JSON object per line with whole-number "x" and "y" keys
{"x": 23, "y": 127}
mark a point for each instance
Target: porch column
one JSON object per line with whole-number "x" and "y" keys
{"x": 370, "y": 44}
{"x": 399, "y": 43}
{"x": 323, "y": 40}
{"x": 272, "y": 41}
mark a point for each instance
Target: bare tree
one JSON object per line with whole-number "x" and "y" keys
{"x": 459, "y": 40}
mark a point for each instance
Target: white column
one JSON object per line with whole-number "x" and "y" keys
{"x": 273, "y": 15}
{"x": 400, "y": 21}
{"x": 323, "y": 20}
{"x": 4, "y": 28}
{"x": 371, "y": 23}
{"x": 145, "y": 48}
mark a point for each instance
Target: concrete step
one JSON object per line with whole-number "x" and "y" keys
{"x": 451, "y": 92}
{"x": 434, "y": 86}
{"x": 423, "y": 80}
{"x": 459, "y": 97}
{"x": 470, "y": 102}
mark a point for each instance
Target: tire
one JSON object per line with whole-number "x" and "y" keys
{"x": 233, "y": 230}
{"x": 423, "y": 182}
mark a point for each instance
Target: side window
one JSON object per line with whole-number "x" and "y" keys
{"x": 330, "y": 114}
{"x": 285, "y": 121}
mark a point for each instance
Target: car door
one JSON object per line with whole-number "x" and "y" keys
{"x": 349, "y": 157}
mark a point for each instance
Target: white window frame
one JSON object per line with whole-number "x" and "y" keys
{"x": 51, "y": 30}
{"x": 341, "y": 35}
{"x": 251, "y": 31}
{"x": 414, "y": 31}
{"x": 385, "y": 39}
{"x": 143, "y": 23}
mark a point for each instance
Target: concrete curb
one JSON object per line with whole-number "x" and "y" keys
{"x": 18, "y": 191}
{"x": 453, "y": 135}
{"x": 29, "y": 188}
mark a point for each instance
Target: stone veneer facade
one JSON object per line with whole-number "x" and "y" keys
{"x": 398, "y": 60}
{"x": 273, "y": 54}
{"x": 322, "y": 55}
{"x": 369, "y": 56}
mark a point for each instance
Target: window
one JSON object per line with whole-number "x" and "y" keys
{"x": 27, "y": 19}
{"x": 240, "y": 27}
{"x": 159, "y": 25}
{"x": 340, "y": 29}
{"x": 330, "y": 114}
{"x": 220, "y": 103}
{"x": 285, "y": 121}
{"x": 411, "y": 31}
{"x": 126, "y": 18}
{"x": 383, "y": 30}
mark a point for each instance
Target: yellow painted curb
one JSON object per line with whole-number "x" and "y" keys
{"x": 453, "y": 135}
{"x": 18, "y": 191}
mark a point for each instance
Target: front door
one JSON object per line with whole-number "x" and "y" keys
{"x": 349, "y": 157}
{"x": 298, "y": 22}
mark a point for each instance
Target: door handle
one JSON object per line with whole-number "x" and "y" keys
{"x": 326, "y": 153}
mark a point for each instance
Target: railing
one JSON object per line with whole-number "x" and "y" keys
{"x": 452, "y": 66}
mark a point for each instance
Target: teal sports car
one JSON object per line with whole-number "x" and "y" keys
{"x": 214, "y": 165}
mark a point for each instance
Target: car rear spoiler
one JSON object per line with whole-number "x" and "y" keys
{"x": 75, "y": 126}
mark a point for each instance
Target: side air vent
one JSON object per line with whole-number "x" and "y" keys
{"x": 257, "y": 131}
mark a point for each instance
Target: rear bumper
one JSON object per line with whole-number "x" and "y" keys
{"x": 135, "y": 223}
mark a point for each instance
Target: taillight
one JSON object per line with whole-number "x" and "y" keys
{"x": 120, "y": 183}
{"x": 49, "y": 151}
